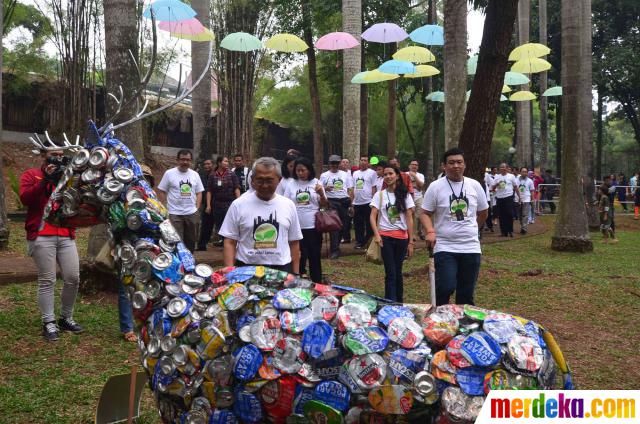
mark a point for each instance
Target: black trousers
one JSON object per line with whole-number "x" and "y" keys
{"x": 489, "y": 221}
{"x": 342, "y": 207}
{"x": 206, "y": 229}
{"x": 218, "y": 216}
{"x": 505, "y": 214}
{"x": 310, "y": 248}
{"x": 362, "y": 224}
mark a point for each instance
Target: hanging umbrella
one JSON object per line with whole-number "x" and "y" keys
{"x": 515, "y": 78}
{"x": 337, "y": 41}
{"x": 206, "y": 35}
{"x": 553, "y": 91}
{"x": 521, "y": 96}
{"x": 169, "y": 10}
{"x": 506, "y": 89}
{"x": 397, "y": 67}
{"x": 531, "y": 65}
{"x": 503, "y": 98}
{"x": 529, "y": 50}
{"x": 189, "y": 29}
{"x": 241, "y": 42}
{"x": 431, "y": 35}
{"x": 472, "y": 65}
{"x": 287, "y": 43}
{"x": 414, "y": 54}
{"x": 384, "y": 33}
{"x": 436, "y": 96}
{"x": 369, "y": 77}
{"x": 423, "y": 71}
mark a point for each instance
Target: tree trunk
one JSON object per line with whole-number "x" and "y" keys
{"x": 599, "y": 134}
{"x": 544, "y": 109}
{"x": 351, "y": 23}
{"x": 364, "y": 111}
{"x": 484, "y": 103}
{"x": 201, "y": 95}
{"x": 455, "y": 69}
{"x": 4, "y": 223}
{"x": 313, "y": 88}
{"x": 571, "y": 230}
{"x": 559, "y": 138}
{"x": 523, "y": 109}
{"x": 391, "y": 111}
{"x": 427, "y": 86}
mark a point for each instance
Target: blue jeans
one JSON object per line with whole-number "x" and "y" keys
{"x": 393, "y": 252}
{"x": 456, "y": 272}
{"x": 124, "y": 310}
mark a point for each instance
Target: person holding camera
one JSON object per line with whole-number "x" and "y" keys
{"x": 50, "y": 245}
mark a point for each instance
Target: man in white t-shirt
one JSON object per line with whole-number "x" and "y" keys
{"x": 505, "y": 185}
{"x": 454, "y": 207}
{"x": 181, "y": 189}
{"x": 364, "y": 182}
{"x": 488, "y": 183}
{"x": 526, "y": 190}
{"x": 418, "y": 182}
{"x": 338, "y": 185}
{"x": 241, "y": 171}
{"x": 262, "y": 227}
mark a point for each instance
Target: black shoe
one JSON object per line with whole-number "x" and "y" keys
{"x": 50, "y": 331}
{"x": 334, "y": 255}
{"x": 201, "y": 249}
{"x": 523, "y": 231}
{"x": 68, "y": 324}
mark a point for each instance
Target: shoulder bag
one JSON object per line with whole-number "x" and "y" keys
{"x": 374, "y": 251}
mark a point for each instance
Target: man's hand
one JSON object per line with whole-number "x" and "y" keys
{"x": 410, "y": 249}
{"x": 207, "y": 210}
{"x": 431, "y": 239}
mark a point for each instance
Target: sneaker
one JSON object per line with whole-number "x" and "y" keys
{"x": 50, "y": 331}
{"x": 68, "y": 324}
{"x": 334, "y": 255}
{"x": 358, "y": 247}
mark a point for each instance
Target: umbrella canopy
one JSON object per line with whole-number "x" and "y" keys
{"x": 206, "y": 35}
{"x": 472, "y": 65}
{"x": 414, "y": 54}
{"x": 287, "y": 43}
{"x": 369, "y": 77}
{"x": 503, "y": 98}
{"x": 553, "y": 91}
{"x": 506, "y": 89}
{"x": 169, "y": 10}
{"x": 241, "y": 42}
{"x": 531, "y": 65}
{"x": 522, "y": 96}
{"x": 187, "y": 27}
{"x": 529, "y": 50}
{"x": 397, "y": 67}
{"x": 515, "y": 78}
{"x": 436, "y": 96}
{"x": 423, "y": 71}
{"x": 431, "y": 35}
{"x": 337, "y": 41}
{"x": 385, "y": 33}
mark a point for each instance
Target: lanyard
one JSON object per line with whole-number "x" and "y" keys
{"x": 453, "y": 192}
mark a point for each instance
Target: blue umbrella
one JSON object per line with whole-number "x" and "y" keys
{"x": 397, "y": 67}
{"x": 431, "y": 35}
{"x": 169, "y": 10}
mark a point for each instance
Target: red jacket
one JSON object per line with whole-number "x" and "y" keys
{"x": 34, "y": 194}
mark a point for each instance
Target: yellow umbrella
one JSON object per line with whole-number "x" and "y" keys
{"x": 506, "y": 88}
{"x": 370, "y": 77}
{"x": 522, "y": 96}
{"x": 529, "y": 50}
{"x": 414, "y": 54}
{"x": 206, "y": 35}
{"x": 287, "y": 43}
{"x": 531, "y": 65}
{"x": 423, "y": 71}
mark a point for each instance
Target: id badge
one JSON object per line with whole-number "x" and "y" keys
{"x": 219, "y": 183}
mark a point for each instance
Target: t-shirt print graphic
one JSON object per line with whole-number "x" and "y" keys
{"x": 338, "y": 184}
{"x": 392, "y": 212}
{"x": 303, "y": 197}
{"x": 458, "y": 207}
{"x": 265, "y": 232}
{"x": 360, "y": 184}
{"x": 185, "y": 188}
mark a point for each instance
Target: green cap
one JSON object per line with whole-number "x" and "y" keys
{"x": 374, "y": 160}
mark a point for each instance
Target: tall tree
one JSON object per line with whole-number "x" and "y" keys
{"x": 392, "y": 100}
{"x": 4, "y": 223}
{"x": 201, "y": 96}
{"x": 455, "y": 69}
{"x": 599, "y": 133}
{"x": 428, "y": 133}
{"x": 482, "y": 110}
{"x": 571, "y": 230}
{"x": 543, "y": 101}
{"x": 351, "y": 23}
{"x": 523, "y": 109}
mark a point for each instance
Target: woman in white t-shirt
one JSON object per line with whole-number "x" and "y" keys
{"x": 393, "y": 229}
{"x": 287, "y": 174}
{"x": 308, "y": 195}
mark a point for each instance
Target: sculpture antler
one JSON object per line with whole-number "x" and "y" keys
{"x": 50, "y": 145}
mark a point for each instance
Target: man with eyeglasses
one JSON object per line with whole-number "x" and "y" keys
{"x": 50, "y": 245}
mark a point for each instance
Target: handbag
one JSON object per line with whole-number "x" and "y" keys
{"x": 374, "y": 251}
{"x": 328, "y": 220}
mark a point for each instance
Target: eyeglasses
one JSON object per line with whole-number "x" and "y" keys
{"x": 265, "y": 181}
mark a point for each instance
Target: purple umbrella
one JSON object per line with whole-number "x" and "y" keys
{"x": 385, "y": 33}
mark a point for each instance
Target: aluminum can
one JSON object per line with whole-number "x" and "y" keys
{"x": 368, "y": 371}
{"x": 162, "y": 261}
{"x": 317, "y": 412}
{"x": 124, "y": 175}
{"x": 391, "y": 399}
{"x": 247, "y": 407}
{"x": 363, "y": 340}
{"x": 325, "y": 307}
{"x": 179, "y": 306}
{"x": 90, "y": 176}
{"x": 278, "y": 397}
{"x": 113, "y": 186}
{"x": 334, "y": 394}
{"x": 352, "y": 316}
{"x": 186, "y": 257}
{"x": 317, "y": 338}
{"x": 265, "y": 332}
{"x": 405, "y": 332}
{"x": 296, "y": 321}
{"x": 204, "y": 271}
{"x": 169, "y": 233}
{"x": 80, "y": 160}
{"x": 287, "y": 355}
{"x": 294, "y": 298}
{"x": 389, "y": 312}
{"x": 481, "y": 349}
{"x": 98, "y": 157}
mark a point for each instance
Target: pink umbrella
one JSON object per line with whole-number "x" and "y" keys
{"x": 385, "y": 33}
{"x": 187, "y": 26}
{"x": 337, "y": 41}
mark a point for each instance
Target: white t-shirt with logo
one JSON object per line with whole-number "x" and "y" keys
{"x": 282, "y": 185}
{"x": 307, "y": 201}
{"x": 454, "y": 211}
{"x": 390, "y": 218}
{"x": 341, "y": 182}
{"x": 505, "y": 185}
{"x": 525, "y": 186}
{"x": 181, "y": 189}
{"x": 363, "y": 182}
{"x": 417, "y": 193}
{"x": 262, "y": 229}
{"x": 379, "y": 183}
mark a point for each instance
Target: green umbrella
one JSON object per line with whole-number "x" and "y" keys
{"x": 241, "y": 42}
{"x": 515, "y": 78}
{"x": 553, "y": 91}
{"x": 472, "y": 65}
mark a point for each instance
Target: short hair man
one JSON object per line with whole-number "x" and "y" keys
{"x": 262, "y": 227}
{"x": 526, "y": 189}
{"x": 454, "y": 207}
{"x": 345, "y": 165}
{"x": 241, "y": 171}
{"x": 505, "y": 185}
{"x": 49, "y": 245}
{"x": 364, "y": 183}
{"x": 418, "y": 182}
{"x": 338, "y": 185}
{"x": 182, "y": 188}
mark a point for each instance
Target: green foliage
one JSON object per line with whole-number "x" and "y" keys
{"x": 14, "y": 183}
{"x": 27, "y": 16}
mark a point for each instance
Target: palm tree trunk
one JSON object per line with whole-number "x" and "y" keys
{"x": 201, "y": 96}
{"x": 313, "y": 88}
{"x": 559, "y": 138}
{"x": 4, "y": 223}
{"x": 600, "y": 133}
{"x": 571, "y": 230}
{"x": 523, "y": 109}
{"x": 544, "y": 109}
{"x": 455, "y": 69}
{"x": 427, "y": 87}
{"x": 351, "y": 23}
{"x": 364, "y": 112}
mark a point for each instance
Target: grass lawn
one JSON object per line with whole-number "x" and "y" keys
{"x": 590, "y": 302}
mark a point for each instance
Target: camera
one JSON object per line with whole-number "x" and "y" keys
{"x": 60, "y": 162}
